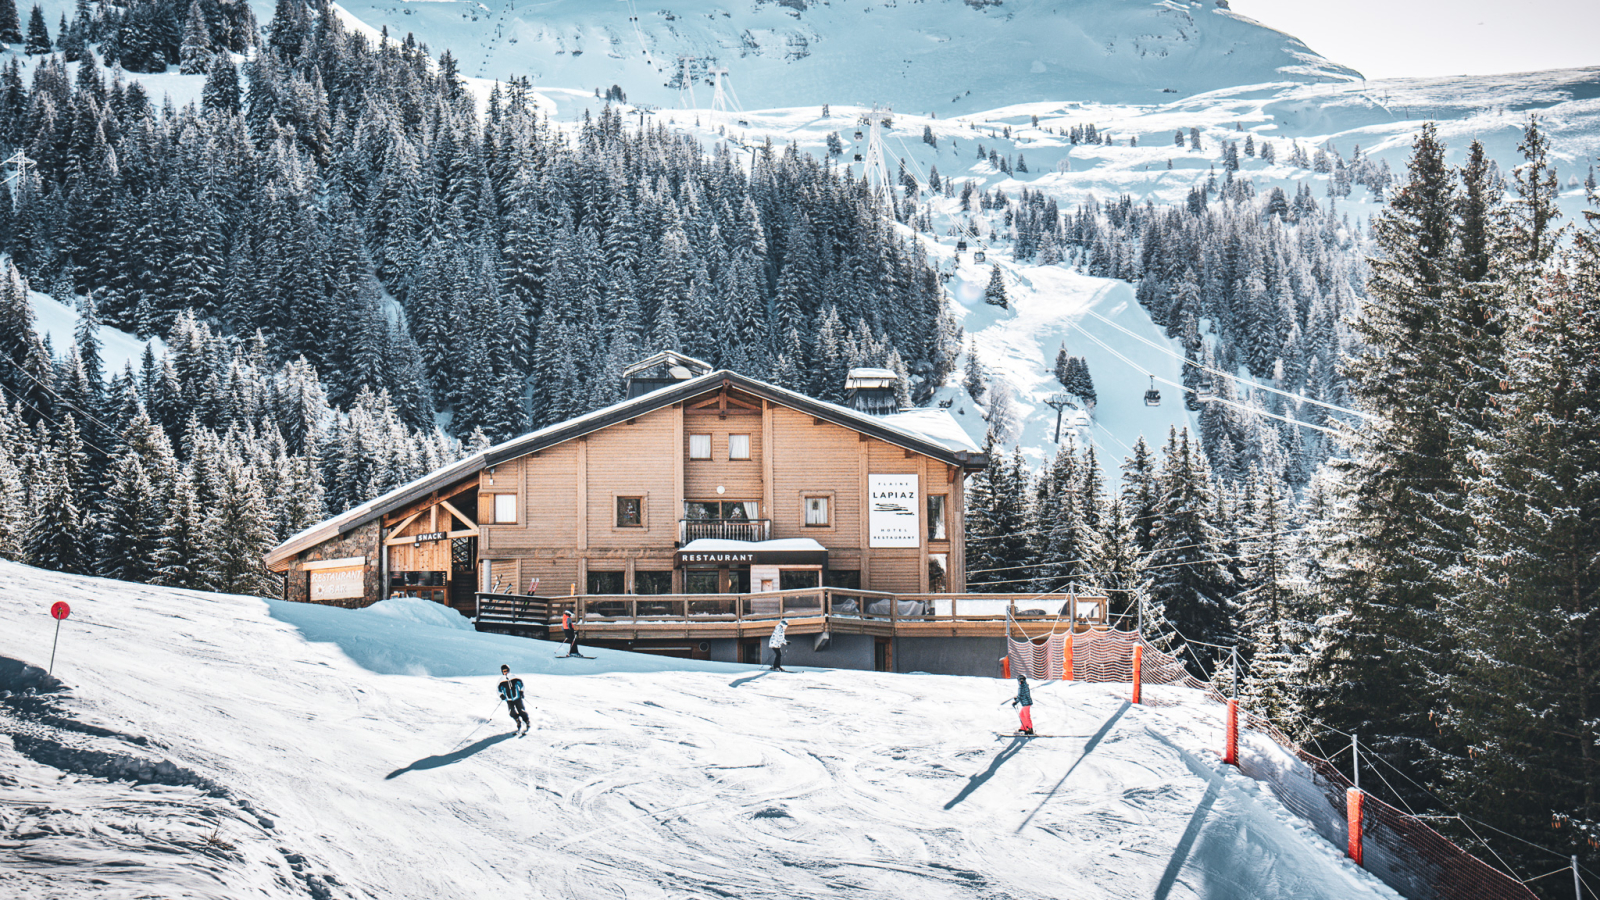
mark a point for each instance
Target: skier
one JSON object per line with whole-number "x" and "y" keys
{"x": 511, "y": 693}
{"x": 777, "y": 642}
{"x": 569, "y": 634}
{"x": 1025, "y": 699}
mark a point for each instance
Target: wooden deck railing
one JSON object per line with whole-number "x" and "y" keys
{"x": 724, "y": 529}
{"x": 597, "y": 613}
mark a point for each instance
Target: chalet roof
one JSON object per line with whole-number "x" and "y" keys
{"x": 920, "y": 431}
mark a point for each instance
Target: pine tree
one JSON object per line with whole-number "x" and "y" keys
{"x": 1193, "y": 588}
{"x": 195, "y": 54}
{"x": 10, "y": 23}
{"x": 995, "y": 293}
{"x": 997, "y": 541}
{"x": 59, "y": 537}
{"x": 38, "y": 33}
{"x": 1526, "y": 703}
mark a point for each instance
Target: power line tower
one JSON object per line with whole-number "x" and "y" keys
{"x": 686, "y": 83}
{"x": 875, "y": 167}
{"x": 722, "y": 89}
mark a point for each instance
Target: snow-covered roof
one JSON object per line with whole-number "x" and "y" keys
{"x": 874, "y": 373}
{"x": 784, "y": 545}
{"x": 922, "y": 434}
{"x": 936, "y": 425}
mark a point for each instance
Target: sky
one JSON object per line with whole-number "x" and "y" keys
{"x": 1406, "y": 38}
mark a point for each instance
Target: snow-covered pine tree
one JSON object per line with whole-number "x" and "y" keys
{"x": 38, "y": 33}
{"x": 1526, "y": 700}
{"x": 59, "y": 537}
{"x": 998, "y": 541}
{"x": 1193, "y": 588}
{"x": 994, "y": 293}
{"x": 1383, "y": 645}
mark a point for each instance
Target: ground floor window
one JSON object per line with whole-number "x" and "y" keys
{"x": 794, "y": 579}
{"x": 849, "y": 579}
{"x": 605, "y": 583}
{"x": 652, "y": 582}
{"x": 700, "y": 581}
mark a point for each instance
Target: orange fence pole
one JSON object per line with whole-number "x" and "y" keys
{"x": 1138, "y": 670}
{"x": 1005, "y": 666}
{"x": 1066, "y": 659}
{"x": 1352, "y": 805}
{"x": 1231, "y": 756}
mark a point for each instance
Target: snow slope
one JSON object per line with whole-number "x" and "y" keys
{"x": 949, "y": 56}
{"x": 223, "y": 746}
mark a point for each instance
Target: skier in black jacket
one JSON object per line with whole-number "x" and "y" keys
{"x": 511, "y": 693}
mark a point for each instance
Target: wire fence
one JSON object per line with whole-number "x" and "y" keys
{"x": 1399, "y": 848}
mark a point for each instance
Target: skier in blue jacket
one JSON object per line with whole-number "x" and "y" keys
{"x": 1024, "y": 699}
{"x": 511, "y": 693}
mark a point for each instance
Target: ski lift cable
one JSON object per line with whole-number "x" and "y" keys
{"x": 1170, "y": 352}
{"x": 1246, "y": 408}
{"x": 43, "y": 415}
{"x": 1163, "y": 549}
{"x": 52, "y": 391}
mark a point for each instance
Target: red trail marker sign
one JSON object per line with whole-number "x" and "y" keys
{"x": 58, "y": 610}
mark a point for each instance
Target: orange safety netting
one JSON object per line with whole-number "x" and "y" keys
{"x": 1403, "y": 851}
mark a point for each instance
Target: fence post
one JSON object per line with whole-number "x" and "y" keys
{"x": 1577, "y": 886}
{"x": 1005, "y": 666}
{"x": 1138, "y": 670}
{"x": 1231, "y": 757}
{"x": 1066, "y": 658}
{"x": 1352, "y": 805}
{"x": 1352, "y": 801}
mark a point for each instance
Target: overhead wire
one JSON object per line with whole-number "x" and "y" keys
{"x": 1235, "y": 378}
{"x": 1164, "y": 549}
{"x": 1186, "y": 389}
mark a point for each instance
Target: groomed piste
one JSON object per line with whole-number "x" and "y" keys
{"x": 203, "y": 745}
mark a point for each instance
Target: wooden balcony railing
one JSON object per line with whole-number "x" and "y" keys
{"x": 724, "y": 529}
{"x": 834, "y": 602}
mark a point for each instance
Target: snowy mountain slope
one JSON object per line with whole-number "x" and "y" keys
{"x": 929, "y": 55}
{"x": 255, "y": 762}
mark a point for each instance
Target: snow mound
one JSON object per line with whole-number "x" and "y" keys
{"x": 421, "y": 612}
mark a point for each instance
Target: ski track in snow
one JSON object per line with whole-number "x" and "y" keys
{"x": 262, "y": 763}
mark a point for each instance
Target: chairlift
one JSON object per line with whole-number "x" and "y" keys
{"x": 961, "y": 246}
{"x": 1206, "y": 390}
{"x": 858, "y": 157}
{"x": 1152, "y": 397}
{"x": 859, "y": 135}
{"x": 979, "y": 257}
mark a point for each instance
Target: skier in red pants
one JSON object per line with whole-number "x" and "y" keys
{"x": 1025, "y": 700}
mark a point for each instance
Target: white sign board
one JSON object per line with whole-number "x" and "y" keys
{"x": 339, "y": 584}
{"x": 894, "y": 511}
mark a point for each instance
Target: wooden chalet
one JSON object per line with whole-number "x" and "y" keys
{"x": 684, "y": 520}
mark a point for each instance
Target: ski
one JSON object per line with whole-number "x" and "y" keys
{"x": 573, "y": 656}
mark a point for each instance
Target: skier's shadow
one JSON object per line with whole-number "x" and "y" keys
{"x": 445, "y": 759}
{"x": 977, "y": 780}
{"x": 749, "y": 678}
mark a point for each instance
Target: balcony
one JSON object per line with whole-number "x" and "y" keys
{"x": 749, "y": 530}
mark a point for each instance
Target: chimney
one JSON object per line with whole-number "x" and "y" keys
{"x": 662, "y": 370}
{"x": 872, "y": 391}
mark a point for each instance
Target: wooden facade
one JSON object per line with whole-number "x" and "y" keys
{"x": 605, "y": 503}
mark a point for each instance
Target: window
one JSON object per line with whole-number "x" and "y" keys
{"x": 605, "y": 582}
{"x": 498, "y": 509}
{"x": 738, "y": 446}
{"x": 729, "y": 510}
{"x": 630, "y": 513}
{"x": 699, "y": 446}
{"x": 700, "y": 581}
{"x": 844, "y": 578}
{"x": 794, "y": 579}
{"x": 936, "y": 529}
{"x": 652, "y": 582}
{"x": 938, "y": 573}
{"x": 816, "y": 511}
